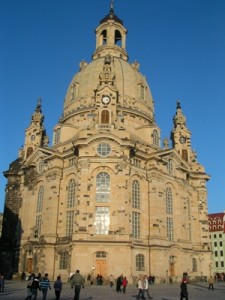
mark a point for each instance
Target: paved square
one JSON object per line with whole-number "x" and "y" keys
{"x": 16, "y": 290}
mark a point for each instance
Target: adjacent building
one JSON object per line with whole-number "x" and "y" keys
{"x": 107, "y": 197}
{"x": 217, "y": 236}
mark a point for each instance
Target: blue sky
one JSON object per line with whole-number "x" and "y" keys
{"x": 179, "y": 44}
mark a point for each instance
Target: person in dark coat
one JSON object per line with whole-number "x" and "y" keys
{"x": 119, "y": 283}
{"x": 34, "y": 288}
{"x": 183, "y": 290}
{"x": 58, "y": 287}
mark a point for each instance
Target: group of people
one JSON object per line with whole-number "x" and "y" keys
{"x": 42, "y": 284}
{"x": 121, "y": 283}
{"x": 218, "y": 277}
{"x": 143, "y": 287}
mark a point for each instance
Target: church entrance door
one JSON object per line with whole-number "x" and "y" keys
{"x": 101, "y": 267}
{"x": 29, "y": 265}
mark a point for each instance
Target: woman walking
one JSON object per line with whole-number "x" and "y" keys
{"x": 58, "y": 287}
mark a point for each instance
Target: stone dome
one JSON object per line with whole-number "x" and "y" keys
{"x": 109, "y": 74}
{"x": 127, "y": 80}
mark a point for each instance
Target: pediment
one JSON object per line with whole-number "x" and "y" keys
{"x": 37, "y": 154}
{"x": 171, "y": 154}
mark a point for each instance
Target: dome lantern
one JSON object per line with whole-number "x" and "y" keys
{"x": 111, "y": 37}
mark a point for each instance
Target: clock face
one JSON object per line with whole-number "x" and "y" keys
{"x": 105, "y": 99}
{"x": 182, "y": 139}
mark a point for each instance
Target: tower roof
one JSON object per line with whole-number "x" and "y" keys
{"x": 111, "y": 15}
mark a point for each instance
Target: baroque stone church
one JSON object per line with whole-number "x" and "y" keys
{"x": 107, "y": 197}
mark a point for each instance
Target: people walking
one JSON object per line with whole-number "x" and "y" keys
{"x": 211, "y": 283}
{"x": 76, "y": 282}
{"x": 124, "y": 284}
{"x": 183, "y": 290}
{"x": 45, "y": 285}
{"x": 34, "y": 287}
{"x": 140, "y": 286}
{"x": 58, "y": 287}
{"x": 146, "y": 286}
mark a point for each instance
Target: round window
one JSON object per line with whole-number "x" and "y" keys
{"x": 103, "y": 149}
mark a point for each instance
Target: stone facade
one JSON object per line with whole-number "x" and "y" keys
{"x": 106, "y": 197}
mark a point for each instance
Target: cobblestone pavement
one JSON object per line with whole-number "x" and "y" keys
{"x": 16, "y": 290}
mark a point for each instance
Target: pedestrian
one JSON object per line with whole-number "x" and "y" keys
{"x": 58, "y": 287}
{"x": 140, "y": 286}
{"x": 23, "y": 276}
{"x": 34, "y": 287}
{"x": 183, "y": 290}
{"x": 77, "y": 282}
{"x": 2, "y": 283}
{"x": 29, "y": 294}
{"x": 124, "y": 284}
{"x": 99, "y": 279}
{"x": 45, "y": 285}
{"x": 211, "y": 283}
{"x": 89, "y": 279}
{"x": 146, "y": 286}
{"x": 111, "y": 280}
{"x": 119, "y": 283}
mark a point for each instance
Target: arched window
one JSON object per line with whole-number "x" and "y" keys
{"x": 105, "y": 116}
{"x": 38, "y": 225}
{"x": 104, "y": 37}
{"x": 194, "y": 265}
{"x": 63, "y": 260}
{"x": 103, "y": 187}
{"x": 136, "y": 219}
{"x": 102, "y": 220}
{"x": 140, "y": 262}
{"x": 169, "y": 212}
{"x": 57, "y": 136}
{"x": 142, "y": 92}
{"x": 135, "y": 194}
{"x": 118, "y": 38}
{"x": 170, "y": 166}
{"x": 29, "y": 151}
{"x": 69, "y": 223}
{"x": 185, "y": 154}
{"x": 155, "y": 137}
{"x": 169, "y": 227}
{"x": 71, "y": 193}
{"x": 40, "y": 199}
{"x": 72, "y": 92}
{"x": 169, "y": 202}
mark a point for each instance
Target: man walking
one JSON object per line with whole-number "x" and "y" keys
{"x": 34, "y": 287}
{"x": 45, "y": 285}
{"x": 76, "y": 282}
